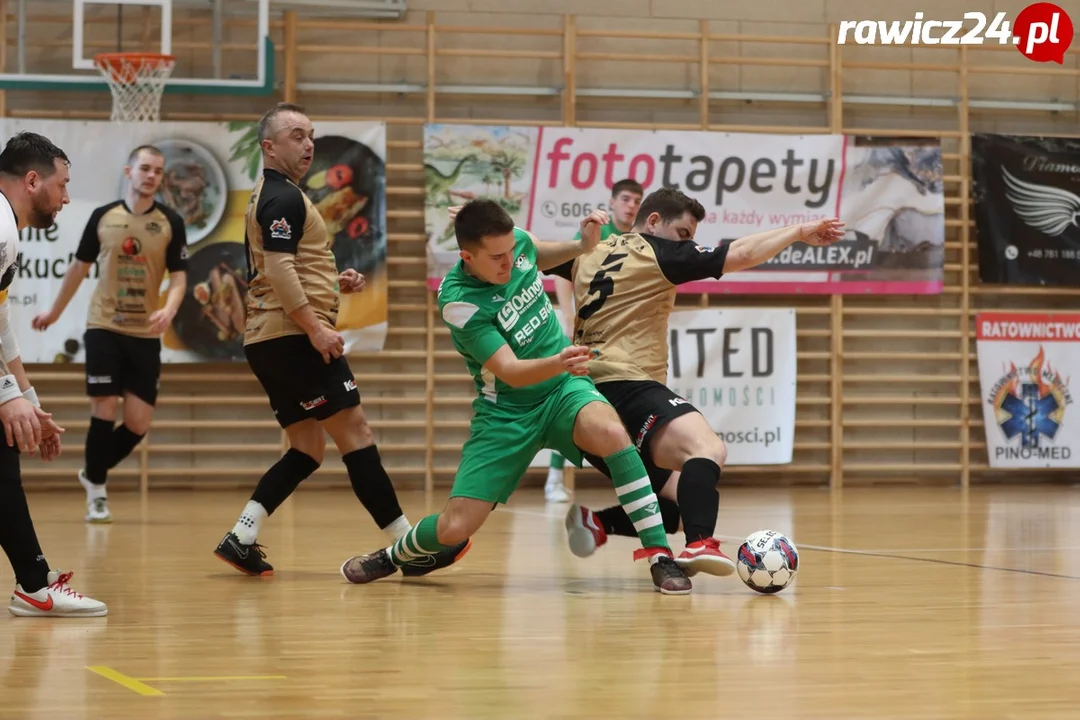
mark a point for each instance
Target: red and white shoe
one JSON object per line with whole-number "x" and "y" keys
{"x": 55, "y": 600}
{"x": 705, "y": 556}
{"x": 584, "y": 531}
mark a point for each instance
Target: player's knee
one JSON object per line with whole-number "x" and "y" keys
{"x": 717, "y": 452}
{"x": 104, "y": 408}
{"x": 709, "y": 447}
{"x": 309, "y": 442}
{"x": 611, "y": 438}
{"x": 364, "y": 436}
{"x": 455, "y": 528}
{"x": 461, "y": 519}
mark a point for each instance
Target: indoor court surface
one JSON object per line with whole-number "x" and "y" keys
{"x": 910, "y": 603}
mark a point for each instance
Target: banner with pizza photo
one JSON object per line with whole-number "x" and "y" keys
{"x": 210, "y": 170}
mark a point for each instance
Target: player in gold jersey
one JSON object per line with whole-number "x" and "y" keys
{"x": 625, "y": 199}
{"x": 293, "y": 348}
{"x": 624, "y": 292}
{"x": 134, "y": 241}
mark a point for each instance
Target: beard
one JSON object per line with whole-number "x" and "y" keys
{"x": 42, "y": 215}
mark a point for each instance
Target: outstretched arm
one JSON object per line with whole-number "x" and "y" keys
{"x": 686, "y": 261}
{"x": 753, "y": 250}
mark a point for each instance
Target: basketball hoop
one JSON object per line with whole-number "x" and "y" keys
{"x": 136, "y": 81}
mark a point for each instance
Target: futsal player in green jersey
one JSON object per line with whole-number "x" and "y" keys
{"x": 532, "y": 393}
{"x": 626, "y": 198}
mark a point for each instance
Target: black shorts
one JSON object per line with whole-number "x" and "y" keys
{"x": 118, "y": 363}
{"x": 298, "y": 383}
{"x": 644, "y": 406}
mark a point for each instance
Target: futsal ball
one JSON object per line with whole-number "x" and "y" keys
{"x": 767, "y": 562}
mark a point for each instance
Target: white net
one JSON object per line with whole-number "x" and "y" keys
{"x": 136, "y": 81}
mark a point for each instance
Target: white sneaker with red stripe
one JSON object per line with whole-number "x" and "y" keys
{"x": 55, "y": 600}
{"x": 584, "y": 531}
{"x": 705, "y": 556}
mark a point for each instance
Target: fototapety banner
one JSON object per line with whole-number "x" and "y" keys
{"x": 210, "y": 170}
{"x": 1026, "y": 365}
{"x": 889, "y": 194}
{"x": 1027, "y": 209}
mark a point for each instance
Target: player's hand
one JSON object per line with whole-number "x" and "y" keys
{"x": 50, "y": 448}
{"x": 822, "y": 232}
{"x": 43, "y": 321}
{"x": 22, "y": 429}
{"x": 159, "y": 321}
{"x": 575, "y": 359}
{"x": 49, "y": 428}
{"x": 328, "y": 343}
{"x": 351, "y": 281}
{"x": 453, "y": 210}
{"x": 590, "y": 229}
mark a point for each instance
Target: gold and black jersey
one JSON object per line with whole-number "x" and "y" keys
{"x": 281, "y": 218}
{"x": 624, "y": 291}
{"x": 133, "y": 252}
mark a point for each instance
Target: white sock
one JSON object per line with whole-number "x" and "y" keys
{"x": 93, "y": 492}
{"x": 555, "y": 476}
{"x": 247, "y": 527}
{"x": 397, "y": 529}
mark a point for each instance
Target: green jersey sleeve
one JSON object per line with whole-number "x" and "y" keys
{"x": 472, "y": 330}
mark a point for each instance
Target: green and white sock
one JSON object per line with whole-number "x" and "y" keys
{"x": 422, "y": 540}
{"x": 637, "y": 498}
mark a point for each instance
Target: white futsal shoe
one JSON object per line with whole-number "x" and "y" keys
{"x": 97, "y": 501}
{"x": 554, "y": 489}
{"x": 55, "y": 600}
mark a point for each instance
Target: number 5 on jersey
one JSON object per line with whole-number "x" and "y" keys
{"x": 602, "y": 285}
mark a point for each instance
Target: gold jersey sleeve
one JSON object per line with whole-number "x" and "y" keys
{"x": 281, "y": 218}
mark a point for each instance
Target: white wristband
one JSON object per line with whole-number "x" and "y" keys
{"x": 31, "y": 395}
{"x": 9, "y": 389}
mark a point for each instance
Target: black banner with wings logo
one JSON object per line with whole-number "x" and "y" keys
{"x": 1027, "y": 209}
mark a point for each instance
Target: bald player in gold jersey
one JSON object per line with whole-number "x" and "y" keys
{"x": 293, "y": 348}
{"x": 134, "y": 241}
{"x": 625, "y": 291}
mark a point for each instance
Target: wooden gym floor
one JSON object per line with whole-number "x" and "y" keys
{"x": 911, "y": 603}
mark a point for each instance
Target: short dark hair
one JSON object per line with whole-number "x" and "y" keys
{"x": 148, "y": 148}
{"x": 627, "y": 185}
{"x": 268, "y": 119}
{"x": 480, "y": 219}
{"x": 29, "y": 151}
{"x": 671, "y": 205}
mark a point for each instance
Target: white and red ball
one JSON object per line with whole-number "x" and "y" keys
{"x": 767, "y": 562}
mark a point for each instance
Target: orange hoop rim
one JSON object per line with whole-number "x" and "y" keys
{"x": 138, "y": 59}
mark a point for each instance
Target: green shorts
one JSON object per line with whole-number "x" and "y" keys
{"x": 503, "y": 441}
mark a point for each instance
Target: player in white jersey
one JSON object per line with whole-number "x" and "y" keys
{"x": 33, "y": 189}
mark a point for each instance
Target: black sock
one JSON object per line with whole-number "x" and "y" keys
{"x": 123, "y": 442}
{"x": 699, "y": 500}
{"x": 17, "y": 535}
{"x": 282, "y": 478}
{"x": 616, "y": 522}
{"x": 98, "y": 449}
{"x": 372, "y": 485}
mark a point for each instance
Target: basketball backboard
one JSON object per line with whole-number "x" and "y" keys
{"x": 221, "y": 46}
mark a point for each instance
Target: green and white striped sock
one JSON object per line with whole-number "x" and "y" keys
{"x": 421, "y": 540}
{"x": 637, "y": 498}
